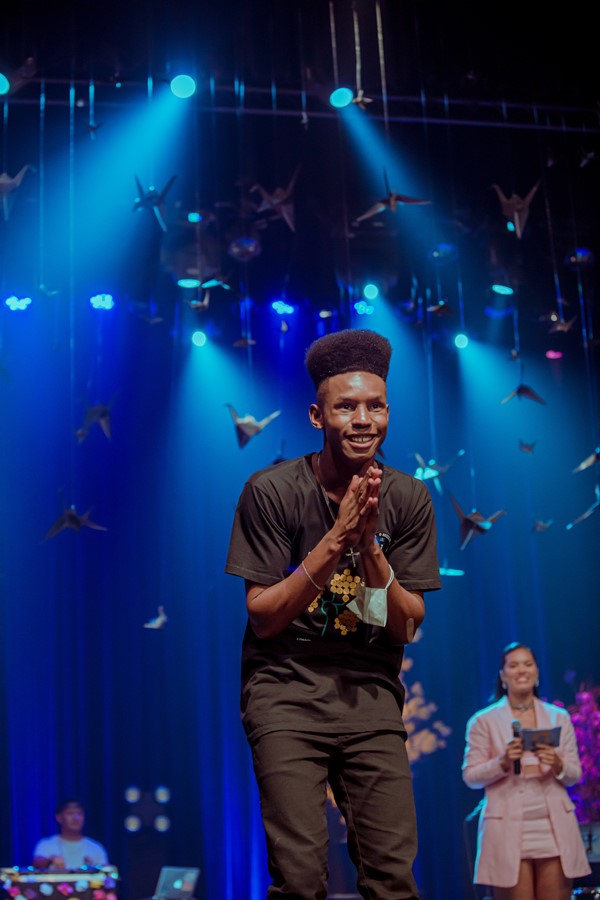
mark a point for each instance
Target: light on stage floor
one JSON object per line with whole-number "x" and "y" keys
{"x": 199, "y": 339}
{"x": 461, "y": 341}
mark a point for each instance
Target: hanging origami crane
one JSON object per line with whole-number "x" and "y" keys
{"x": 159, "y": 621}
{"x": 246, "y": 427}
{"x": 70, "y": 519}
{"x": 539, "y": 525}
{"x": 100, "y": 414}
{"x": 200, "y": 305}
{"x": 392, "y": 201}
{"x": 473, "y": 523}
{"x": 515, "y": 208}
{"x": 588, "y": 461}
{"x": 560, "y": 325}
{"x": 152, "y": 199}
{"x": 524, "y": 447}
{"x": 279, "y": 202}
{"x": 7, "y": 186}
{"x": 591, "y": 509}
{"x": 433, "y": 470}
{"x": 523, "y": 390}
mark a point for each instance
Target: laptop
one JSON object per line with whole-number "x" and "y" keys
{"x": 176, "y": 883}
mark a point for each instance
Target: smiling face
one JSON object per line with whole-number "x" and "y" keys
{"x": 519, "y": 672}
{"x": 352, "y": 411}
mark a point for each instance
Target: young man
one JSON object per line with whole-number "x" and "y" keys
{"x": 336, "y": 551}
{"x": 69, "y": 849}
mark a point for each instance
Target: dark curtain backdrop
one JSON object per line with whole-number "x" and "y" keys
{"x": 91, "y": 702}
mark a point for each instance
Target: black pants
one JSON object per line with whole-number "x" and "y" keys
{"x": 370, "y": 778}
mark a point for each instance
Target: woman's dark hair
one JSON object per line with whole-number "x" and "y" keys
{"x": 516, "y": 645}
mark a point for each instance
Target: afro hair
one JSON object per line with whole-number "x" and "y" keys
{"x": 351, "y": 350}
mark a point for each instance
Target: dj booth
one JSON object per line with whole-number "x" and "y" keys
{"x": 88, "y": 883}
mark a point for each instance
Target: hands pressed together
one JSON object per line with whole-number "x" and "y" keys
{"x": 359, "y": 510}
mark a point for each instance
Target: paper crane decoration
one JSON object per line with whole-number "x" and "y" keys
{"x": 100, "y": 414}
{"x": 473, "y": 523}
{"x": 392, "y": 201}
{"x": 7, "y": 186}
{"x": 70, "y": 519}
{"x": 591, "y": 509}
{"x": 523, "y": 390}
{"x": 588, "y": 461}
{"x": 159, "y": 621}
{"x": 433, "y": 470}
{"x": 526, "y": 447}
{"x": 539, "y": 525}
{"x": 246, "y": 427}
{"x": 515, "y": 208}
{"x": 152, "y": 199}
{"x": 279, "y": 202}
{"x": 562, "y": 326}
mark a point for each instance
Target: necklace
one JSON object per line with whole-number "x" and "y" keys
{"x": 352, "y": 553}
{"x": 522, "y": 707}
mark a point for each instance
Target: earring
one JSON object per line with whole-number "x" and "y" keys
{"x": 503, "y": 686}
{"x": 537, "y": 684}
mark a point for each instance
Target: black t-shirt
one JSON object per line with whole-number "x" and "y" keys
{"x": 327, "y": 671}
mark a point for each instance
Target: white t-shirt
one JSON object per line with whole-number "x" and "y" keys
{"x": 76, "y": 854}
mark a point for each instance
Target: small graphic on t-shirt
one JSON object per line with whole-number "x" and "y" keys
{"x": 383, "y": 539}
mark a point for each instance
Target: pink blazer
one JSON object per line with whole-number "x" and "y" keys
{"x": 500, "y": 820}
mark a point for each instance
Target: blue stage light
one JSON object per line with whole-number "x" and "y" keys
{"x": 461, "y": 341}
{"x": 4, "y": 84}
{"x": 16, "y": 303}
{"x": 370, "y": 291}
{"x": 341, "y": 97}
{"x": 283, "y": 308}
{"x": 504, "y": 289}
{"x": 183, "y": 86}
{"x": 102, "y": 301}
{"x": 194, "y": 217}
{"x": 363, "y": 308}
{"x": 191, "y": 283}
{"x": 199, "y": 339}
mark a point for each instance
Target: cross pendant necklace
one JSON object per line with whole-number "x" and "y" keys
{"x": 352, "y": 553}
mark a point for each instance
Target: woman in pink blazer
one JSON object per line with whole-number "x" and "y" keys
{"x": 529, "y": 846}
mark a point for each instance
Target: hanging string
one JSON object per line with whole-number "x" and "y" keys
{"x": 72, "y": 110}
{"x": 304, "y": 116}
{"x": 382, "y": 75}
{"x": 91, "y": 104}
{"x": 4, "y": 169}
{"x": 5, "y": 136}
{"x": 333, "y": 44}
{"x": 245, "y": 303}
{"x": 42, "y": 187}
{"x": 357, "y": 52}
{"x": 550, "y": 227}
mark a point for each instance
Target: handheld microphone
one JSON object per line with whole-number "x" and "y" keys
{"x": 516, "y": 730}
